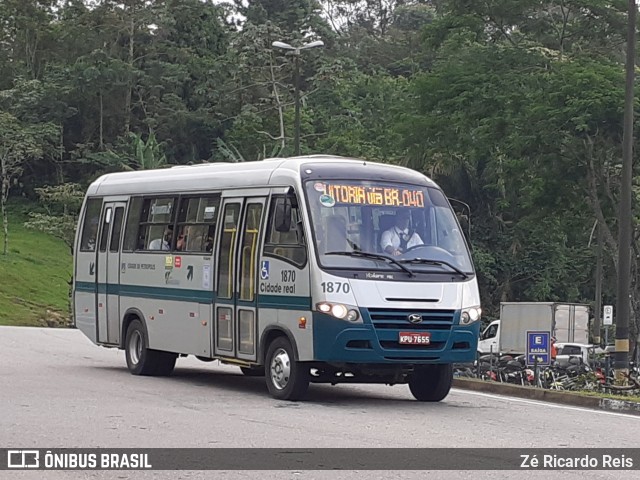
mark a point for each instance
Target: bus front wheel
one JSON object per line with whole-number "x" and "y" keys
{"x": 286, "y": 378}
{"x": 142, "y": 360}
{"x": 431, "y": 383}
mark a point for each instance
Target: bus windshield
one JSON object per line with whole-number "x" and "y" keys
{"x": 373, "y": 225}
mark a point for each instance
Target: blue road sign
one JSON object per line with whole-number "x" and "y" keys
{"x": 539, "y": 347}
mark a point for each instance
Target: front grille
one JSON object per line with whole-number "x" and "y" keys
{"x": 385, "y": 319}
{"x": 388, "y": 323}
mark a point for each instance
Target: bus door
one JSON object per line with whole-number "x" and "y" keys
{"x": 236, "y": 313}
{"x": 108, "y": 273}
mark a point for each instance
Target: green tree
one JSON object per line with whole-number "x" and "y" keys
{"x": 148, "y": 155}
{"x": 296, "y": 18}
{"x": 62, "y": 205}
{"x": 524, "y": 121}
{"x": 18, "y": 143}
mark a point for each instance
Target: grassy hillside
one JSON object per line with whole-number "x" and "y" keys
{"x": 34, "y": 275}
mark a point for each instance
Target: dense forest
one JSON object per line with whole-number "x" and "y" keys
{"x": 514, "y": 106}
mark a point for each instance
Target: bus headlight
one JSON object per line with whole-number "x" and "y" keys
{"x": 338, "y": 310}
{"x": 470, "y": 315}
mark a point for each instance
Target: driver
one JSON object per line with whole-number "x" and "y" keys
{"x": 399, "y": 238}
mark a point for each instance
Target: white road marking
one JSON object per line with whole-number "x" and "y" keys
{"x": 546, "y": 404}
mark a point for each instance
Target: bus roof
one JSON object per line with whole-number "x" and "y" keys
{"x": 207, "y": 176}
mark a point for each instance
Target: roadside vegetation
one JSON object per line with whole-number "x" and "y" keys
{"x": 34, "y": 275}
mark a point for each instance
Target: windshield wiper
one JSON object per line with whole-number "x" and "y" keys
{"x": 425, "y": 261}
{"x": 375, "y": 256}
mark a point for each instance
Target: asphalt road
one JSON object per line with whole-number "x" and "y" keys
{"x": 57, "y": 390}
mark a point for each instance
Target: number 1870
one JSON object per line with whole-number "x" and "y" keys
{"x": 335, "y": 287}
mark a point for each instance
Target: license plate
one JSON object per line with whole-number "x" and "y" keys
{"x": 414, "y": 338}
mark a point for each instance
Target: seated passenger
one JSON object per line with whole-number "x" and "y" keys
{"x": 399, "y": 238}
{"x": 163, "y": 243}
{"x": 183, "y": 238}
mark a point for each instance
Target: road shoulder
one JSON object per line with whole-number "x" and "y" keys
{"x": 552, "y": 396}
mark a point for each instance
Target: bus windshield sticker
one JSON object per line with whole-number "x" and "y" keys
{"x": 327, "y": 200}
{"x": 371, "y": 195}
{"x": 319, "y": 187}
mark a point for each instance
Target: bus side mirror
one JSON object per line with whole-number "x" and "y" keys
{"x": 283, "y": 216}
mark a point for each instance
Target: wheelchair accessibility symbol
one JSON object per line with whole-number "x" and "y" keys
{"x": 264, "y": 270}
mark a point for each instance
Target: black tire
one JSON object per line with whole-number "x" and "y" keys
{"x": 286, "y": 378}
{"x": 252, "y": 371}
{"x": 140, "y": 359}
{"x": 431, "y": 383}
{"x": 165, "y": 363}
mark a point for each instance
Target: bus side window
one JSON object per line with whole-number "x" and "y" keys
{"x": 104, "y": 232}
{"x": 156, "y": 224}
{"x": 288, "y": 245}
{"x": 197, "y": 219}
{"x": 90, "y": 225}
{"x": 117, "y": 229}
{"x": 131, "y": 238}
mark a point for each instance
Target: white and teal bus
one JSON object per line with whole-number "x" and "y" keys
{"x": 279, "y": 267}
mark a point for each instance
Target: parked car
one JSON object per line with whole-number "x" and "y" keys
{"x": 585, "y": 352}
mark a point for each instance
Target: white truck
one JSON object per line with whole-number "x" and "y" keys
{"x": 567, "y": 322}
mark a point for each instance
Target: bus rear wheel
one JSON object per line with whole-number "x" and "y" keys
{"x": 431, "y": 383}
{"x": 142, "y": 360}
{"x": 286, "y": 378}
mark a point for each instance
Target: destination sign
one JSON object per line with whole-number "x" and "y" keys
{"x": 368, "y": 195}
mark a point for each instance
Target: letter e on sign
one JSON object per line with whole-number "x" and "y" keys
{"x": 537, "y": 340}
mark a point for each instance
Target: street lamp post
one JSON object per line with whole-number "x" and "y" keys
{"x": 295, "y": 51}
{"x": 621, "y": 355}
